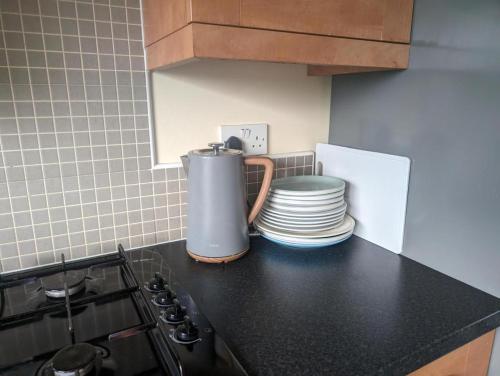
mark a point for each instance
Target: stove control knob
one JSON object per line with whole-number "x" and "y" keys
{"x": 157, "y": 283}
{"x": 187, "y": 332}
{"x": 164, "y": 298}
{"x": 175, "y": 313}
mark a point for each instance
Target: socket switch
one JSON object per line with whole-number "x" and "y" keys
{"x": 253, "y": 137}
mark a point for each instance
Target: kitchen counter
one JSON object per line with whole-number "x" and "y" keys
{"x": 350, "y": 309}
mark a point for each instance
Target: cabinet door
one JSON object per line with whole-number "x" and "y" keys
{"x": 388, "y": 20}
{"x": 471, "y": 359}
{"x": 163, "y": 17}
{"x": 221, "y": 12}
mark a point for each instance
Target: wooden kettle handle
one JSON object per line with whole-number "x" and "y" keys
{"x": 266, "y": 183}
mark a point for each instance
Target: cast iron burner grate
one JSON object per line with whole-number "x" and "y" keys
{"x": 95, "y": 281}
{"x": 102, "y": 286}
{"x": 76, "y": 359}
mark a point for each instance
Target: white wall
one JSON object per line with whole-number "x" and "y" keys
{"x": 192, "y": 100}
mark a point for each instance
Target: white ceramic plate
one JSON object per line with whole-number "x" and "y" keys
{"x": 302, "y": 221}
{"x": 307, "y": 243}
{"x": 301, "y": 229}
{"x": 306, "y": 209}
{"x": 327, "y": 196}
{"x": 312, "y": 215}
{"x": 289, "y": 223}
{"x": 295, "y": 201}
{"x": 346, "y": 226}
{"x": 310, "y": 185}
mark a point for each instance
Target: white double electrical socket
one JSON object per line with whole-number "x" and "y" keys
{"x": 253, "y": 137}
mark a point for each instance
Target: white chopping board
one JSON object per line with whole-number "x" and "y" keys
{"x": 376, "y": 191}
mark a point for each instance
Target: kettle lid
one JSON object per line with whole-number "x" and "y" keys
{"x": 216, "y": 150}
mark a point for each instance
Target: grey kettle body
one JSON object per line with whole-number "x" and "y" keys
{"x": 217, "y": 204}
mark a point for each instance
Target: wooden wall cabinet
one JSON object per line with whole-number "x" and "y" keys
{"x": 331, "y": 36}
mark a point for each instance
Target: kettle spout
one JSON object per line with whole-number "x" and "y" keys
{"x": 185, "y": 163}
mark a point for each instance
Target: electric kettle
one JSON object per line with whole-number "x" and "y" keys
{"x": 217, "y": 202}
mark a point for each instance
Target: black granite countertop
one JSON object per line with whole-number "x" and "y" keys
{"x": 350, "y": 309}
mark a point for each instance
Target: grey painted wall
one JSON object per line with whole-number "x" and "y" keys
{"x": 443, "y": 113}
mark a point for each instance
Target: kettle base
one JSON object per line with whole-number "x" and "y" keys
{"x": 216, "y": 260}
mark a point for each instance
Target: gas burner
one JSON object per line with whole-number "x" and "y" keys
{"x": 53, "y": 285}
{"x": 79, "y": 359}
{"x": 40, "y": 299}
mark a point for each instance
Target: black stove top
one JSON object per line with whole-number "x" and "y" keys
{"x": 118, "y": 314}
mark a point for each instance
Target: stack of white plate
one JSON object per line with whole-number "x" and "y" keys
{"x": 305, "y": 212}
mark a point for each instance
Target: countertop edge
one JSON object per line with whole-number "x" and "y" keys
{"x": 442, "y": 346}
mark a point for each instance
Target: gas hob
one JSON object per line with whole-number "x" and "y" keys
{"x": 118, "y": 314}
